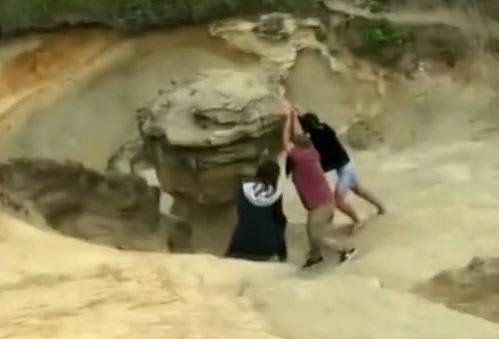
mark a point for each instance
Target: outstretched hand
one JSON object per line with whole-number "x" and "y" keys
{"x": 296, "y": 110}
{"x": 288, "y": 123}
{"x": 287, "y": 108}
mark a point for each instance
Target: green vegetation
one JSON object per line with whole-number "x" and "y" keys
{"x": 23, "y": 15}
{"x": 375, "y": 6}
{"x": 379, "y": 34}
{"x": 379, "y": 40}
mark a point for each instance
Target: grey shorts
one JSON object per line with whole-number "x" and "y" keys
{"x": 347, "y": 179}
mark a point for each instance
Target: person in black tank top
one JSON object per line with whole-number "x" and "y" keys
{"x": 335, "y": 159}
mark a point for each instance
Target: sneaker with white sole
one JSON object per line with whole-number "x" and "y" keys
{"x": 347, "y": 255}
{"x": 312, "y": 262}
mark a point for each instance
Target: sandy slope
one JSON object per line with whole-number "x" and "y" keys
{"x": 436, "y": 170}
{"x": 93, "y": 292}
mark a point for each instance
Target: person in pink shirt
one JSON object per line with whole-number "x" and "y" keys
{"x": 312, "y": 188}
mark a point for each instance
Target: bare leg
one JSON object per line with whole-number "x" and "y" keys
{"x": 346, "y": 207}
{"x": 318, "y": 221}
{"x": 314, "y": 234}
{"x": 362, "y": 192}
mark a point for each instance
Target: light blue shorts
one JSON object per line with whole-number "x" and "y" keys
{"x": 347, "y": 179}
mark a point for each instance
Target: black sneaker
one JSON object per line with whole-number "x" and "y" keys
{"x": 311, "y": 262}
{"x": 347, "y": 255}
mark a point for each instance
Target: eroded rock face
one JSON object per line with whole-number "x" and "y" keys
{"x": 275, "y": 38}
{"x": 473, "y": 289}
{"x": 116, "y": 210}
{"x": 206, "y": 135}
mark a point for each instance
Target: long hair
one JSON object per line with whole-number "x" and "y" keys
{"x": 268, "y": 173}
{"x": 310, "y": 121}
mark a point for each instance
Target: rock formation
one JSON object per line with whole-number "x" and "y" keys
{"x": 205, "y": 136}
{"x": 121, "y": 211}
{"x": 473, "y": 289}
{"x": 275, "y": 38}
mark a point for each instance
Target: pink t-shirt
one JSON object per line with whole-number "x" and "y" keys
{"x": 309, "y": 179}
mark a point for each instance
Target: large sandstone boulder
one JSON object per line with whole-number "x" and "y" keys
{"x": 206, "y": 135}
{"x": 203, "y": 137}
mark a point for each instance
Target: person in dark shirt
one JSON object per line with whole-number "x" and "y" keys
{"x": 261, "y": 224}
{"x": 334, "y": 158}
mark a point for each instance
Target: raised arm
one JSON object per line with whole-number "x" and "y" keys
{"x": 287, "y": 129}
{"x": 297, "y": 129}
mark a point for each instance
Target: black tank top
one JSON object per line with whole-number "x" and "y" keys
{"x": 326, "y": 142}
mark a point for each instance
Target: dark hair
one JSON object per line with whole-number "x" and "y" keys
{"x": 310, "y": 121}
{"x": 289, "y": 166}
{"x": 268, "y": 172}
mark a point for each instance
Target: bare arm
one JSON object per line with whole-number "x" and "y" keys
{"x": 297, "y": 129}
{"x": 286, "y": 133}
